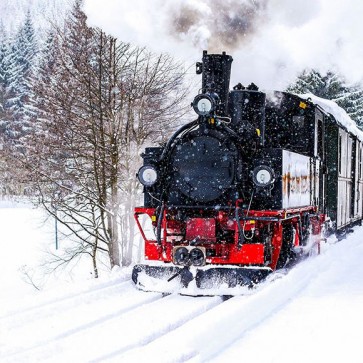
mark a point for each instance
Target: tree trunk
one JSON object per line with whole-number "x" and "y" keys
{"x": 94, "y": 260}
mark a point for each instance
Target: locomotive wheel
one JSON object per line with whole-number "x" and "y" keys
{"x": 306, "y": 229}
{"x": 287, "y": 255}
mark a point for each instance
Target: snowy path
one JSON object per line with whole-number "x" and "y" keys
{"x": 122, "y": 321}
{"x": 314, "y": 313}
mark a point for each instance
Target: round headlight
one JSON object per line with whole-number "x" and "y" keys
{"x": 205, "y": 104}
{"x": 181, "y": 256}
{"x": 197, "y": 257}
{"x": 147, "y": 175}
{"x": 263, "y": 176}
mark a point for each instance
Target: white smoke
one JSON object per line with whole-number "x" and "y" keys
{"x": 270, "y": 40}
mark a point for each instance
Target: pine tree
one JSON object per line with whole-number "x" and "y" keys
{"x": 4, "y": 52}
{"x": 21, "y": 71}
{"x": 19, "y": 61}
{"x": 333, "y": 87}
{"x": 351, "y": 99}
{"x": 4, "y": 57}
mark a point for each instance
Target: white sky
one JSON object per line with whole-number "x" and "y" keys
{"x": 282, "y": 38}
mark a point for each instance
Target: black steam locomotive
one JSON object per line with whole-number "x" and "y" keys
{"x": 247, "y": 187}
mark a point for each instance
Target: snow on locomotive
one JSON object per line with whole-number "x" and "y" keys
{"x": 247, "y": 187}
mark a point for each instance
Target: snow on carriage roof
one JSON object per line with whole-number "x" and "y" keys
{"x": 339, "y": 113}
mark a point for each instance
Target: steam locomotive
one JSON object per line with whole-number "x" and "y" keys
{"x": 246, "y": 188}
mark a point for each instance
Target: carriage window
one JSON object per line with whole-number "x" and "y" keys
{"x": 360, "y": 163}
{"x": 320, "y": 139}
{"x": 340, "y": 153}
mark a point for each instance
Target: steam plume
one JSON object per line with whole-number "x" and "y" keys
{"x": 217, "y": 24}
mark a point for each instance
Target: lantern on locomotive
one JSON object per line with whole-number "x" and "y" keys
{"x": 215, "y": 193}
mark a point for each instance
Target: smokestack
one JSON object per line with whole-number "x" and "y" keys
{"x": 216, "y": 74}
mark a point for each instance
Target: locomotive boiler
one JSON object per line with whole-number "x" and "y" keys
{"x": 245, "y": 188}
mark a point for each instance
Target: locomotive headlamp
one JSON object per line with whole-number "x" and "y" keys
{"x": 205, "y": 104}
{"x": 147, "y": 175}
{"x": 181, "y": 256}
{"x": 197, "y": 257}
{"x": 263, "y": 176}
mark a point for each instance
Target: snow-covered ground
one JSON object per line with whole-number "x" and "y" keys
{"x": 314, "y": 313}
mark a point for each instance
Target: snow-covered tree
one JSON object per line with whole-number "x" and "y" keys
{"x": 23, "y": 29}
{"x": 18, "y": 59}
{"x": 331, "y": 86}
{"x": 4, "y": 59}
{"x": 22, "y": 70}
{"x": 100, "y": 101}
